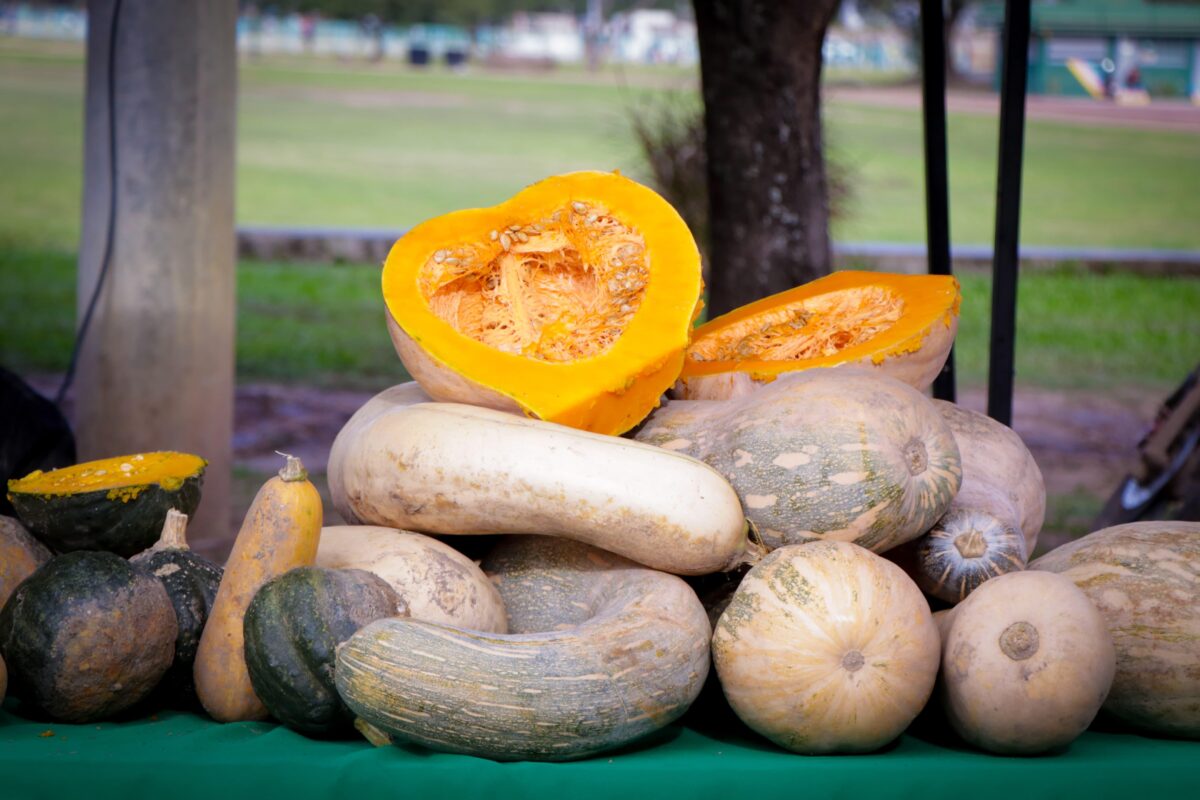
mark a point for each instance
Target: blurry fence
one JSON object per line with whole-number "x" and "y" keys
{"x": 371, "y": 245}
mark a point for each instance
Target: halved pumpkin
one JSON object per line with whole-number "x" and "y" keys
{"x": 903, "y": 325}
{"x": 117, "y": 504}
{"x": 572, "y": 302}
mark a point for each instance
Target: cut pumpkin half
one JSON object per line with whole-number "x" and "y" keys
{"x": 571, "y": 302}
{"x": 904, "y": 325}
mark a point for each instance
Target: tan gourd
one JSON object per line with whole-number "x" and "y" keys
{"x": 280, "y": 532}
{"x": 20, "y": 556}
{"x": 827, "y": 648}
{"x": 1026, "y": 664}
{"x": 447, "y": 468}
{"x": 438, "y": 583}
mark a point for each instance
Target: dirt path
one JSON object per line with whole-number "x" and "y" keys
{"x": 1160, "y": 115}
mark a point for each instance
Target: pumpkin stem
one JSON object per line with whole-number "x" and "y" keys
{"x": 293, "y": 470}
{"x": 174, "y": 532}
{"x": 756, "y": 549}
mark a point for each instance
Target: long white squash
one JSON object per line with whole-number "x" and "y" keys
{"x": 455, "y": 469}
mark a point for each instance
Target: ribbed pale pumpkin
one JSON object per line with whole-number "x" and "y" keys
{"x": 602, "y": 652}
{"x": 993, "y": 523}
{"x": 849, "y": 455}
{"x": 572, "y": 301}
{"x": 902, "y": 325}
{"x": 1145, "y": 579}
{"x": 827, "y": 648}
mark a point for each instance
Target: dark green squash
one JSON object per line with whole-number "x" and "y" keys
{"x": 191, "y": 582}
{"x": 292, "y": 629}
{"x": 116, "y": 504}
{"x": 87, "y": 636}
{"x": 20, "y": 556}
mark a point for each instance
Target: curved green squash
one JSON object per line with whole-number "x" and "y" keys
{"x": 292, "y": 630}
{"x": 603, "y": 652}
{"x": 1144, "y": 578}
{"x": 116, "y": 504}
{"x": 844, "y": 455}
{"x": 191, "y": 582}
{"x": 87, "y": 636}
{"x": 20, "y": 556}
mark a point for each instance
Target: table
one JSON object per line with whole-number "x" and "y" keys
{"x": 174, "y": 754}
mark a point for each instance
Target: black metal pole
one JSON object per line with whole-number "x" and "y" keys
{"x": 1008, "y": 209}
{"x": 937, "y": 193}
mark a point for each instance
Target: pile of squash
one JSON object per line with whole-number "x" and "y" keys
{"x": 798, "y": 458}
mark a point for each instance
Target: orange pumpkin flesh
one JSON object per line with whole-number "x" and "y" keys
{"x": 572, "y": 301}
{"x": 901, "y": 324}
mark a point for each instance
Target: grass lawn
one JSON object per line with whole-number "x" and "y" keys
{"x": 322, "y": 143}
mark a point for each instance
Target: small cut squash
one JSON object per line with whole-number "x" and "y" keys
{"x": 902, "y": 325}
{"x": 601, "y": 653}
{"x": 20, "y": 556}
{"x": 87, "y": 636}
{"x": 850, "y": 455}
{"x": 827, "y": 648}
{"x": 293, "y": 627}
{"x": 116, "y": 504}
{"x": 280, "y": 532}
{"x": 572, "y": 301}
{"x": 191, "y": 582}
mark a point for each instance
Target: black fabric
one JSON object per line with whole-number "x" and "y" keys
{"x": 34, "y": 434}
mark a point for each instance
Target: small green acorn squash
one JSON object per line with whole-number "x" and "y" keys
{"x": 87, "y": 636}
{"x": 191, "y": 582}
{"x": 292, "y": 630}
{"x": 116, "y": 504}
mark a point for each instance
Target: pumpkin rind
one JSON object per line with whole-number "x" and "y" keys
{"x": 87, "y": 636}
{"x": 1144, "y": 577}
{"x": 438, "y": 583}
{"x": 191, "y": 582}
{"x": 292, "y": 629}
{"x": 446, "y": 468}
{"x": 603, "y": 653}
{"x": 966, "y": 547}
{"x": 20, "y": 556}
{"x": 912, "y": 349}
{"x": 826, "y": 648}
{"x": 1026, "y": 664}
{"x": 279, "y": 533}
{"x": 823, "y": 454}
{"x": 121, "y": 512}
{"x": 607, "y": 392}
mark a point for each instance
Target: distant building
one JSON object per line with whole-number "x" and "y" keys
{"x": 1098, "y": 47}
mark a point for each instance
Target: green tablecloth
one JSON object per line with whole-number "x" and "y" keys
{"x": 181, "y": 755}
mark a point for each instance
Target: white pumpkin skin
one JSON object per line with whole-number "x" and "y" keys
{"x": 1026, "y": 665}
{"x": 844, "y": 455}
{"x": 453, "y": 469}
{"x": 1144, "y": 578}
{"x": 438, "y": 583}
{"x": 827, "y": 648}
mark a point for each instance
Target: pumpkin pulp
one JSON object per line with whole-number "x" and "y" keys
{"x": 844, "y": 317}
{"x": 573, "y": 300}
{"x": 122, "y": 476}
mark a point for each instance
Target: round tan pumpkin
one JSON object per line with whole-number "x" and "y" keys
{"x": 827, "y": 648}
{"x": 1026, "y": 665}
{"x": 438, "y": 583}
{"x": 20, "y": 556}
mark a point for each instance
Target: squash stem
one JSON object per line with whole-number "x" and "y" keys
{"x": 174, "y": 532}
{"x": 293, "y": 470}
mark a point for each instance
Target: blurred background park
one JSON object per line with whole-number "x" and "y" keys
{"x": 378, "y": 115}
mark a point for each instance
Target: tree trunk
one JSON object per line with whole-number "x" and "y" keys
{"x": 954, "y": 10}
{"x": 760, "y": 64}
